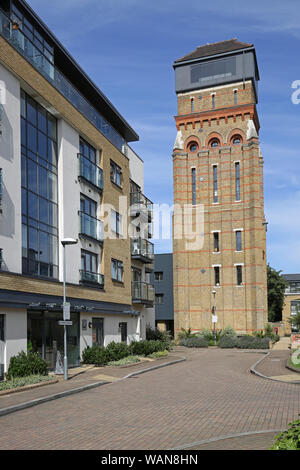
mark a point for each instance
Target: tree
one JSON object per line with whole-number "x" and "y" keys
{"x": 276, "y": 290}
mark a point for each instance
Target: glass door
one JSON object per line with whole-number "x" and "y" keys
{"x": 98, "y": 331}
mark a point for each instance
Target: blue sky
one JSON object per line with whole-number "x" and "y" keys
{"x": 128, "y": 47}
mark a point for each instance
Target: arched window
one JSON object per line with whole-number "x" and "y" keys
{"x": 193, "y": 147}
{"x": 236, "y": 140}
{"x": 214, "y": 143}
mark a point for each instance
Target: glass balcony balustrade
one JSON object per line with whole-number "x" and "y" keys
{"x": 140, "y": 204}
{"x": 91, "y": 227}
{"x": 142, "y": 249}
{"x": 90, "y": 172}
{"x": 142, "y": 292}
{"x": 93, "y": 278}
{"x": 46, "y": 68}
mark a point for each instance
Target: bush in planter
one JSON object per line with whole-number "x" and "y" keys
{"x": 206, "y": 334}
{"x": 24, "y": 365}
{"x": 96, "y": 355}
{"x": 144, "y": 347}
{"x": 199, "y": 342}
{"x": 157, "y": 335}
{"x": 228, "y": 342}
{"x": 117, "y": 351}
{"x": 228, "y": 332}
{"x": 252, "y": 342}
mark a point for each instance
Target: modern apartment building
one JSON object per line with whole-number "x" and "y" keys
{"x": 292, "y": 300}
{"x": 67, "y": 171}
{"x": 218, "y": 176}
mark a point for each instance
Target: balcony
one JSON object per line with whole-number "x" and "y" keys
{"x": 45, "y": 67}
{"x": 149, "y": 268}
{"x": 90, "y": 173}
{"x": 91, "y": 228}
{"x": 142, "y": 250}
{"x": 141, "y": 205}
{"x": 95, "y": 279}
{"x": 1, "y": 258}
{"x": 142, "y": 293}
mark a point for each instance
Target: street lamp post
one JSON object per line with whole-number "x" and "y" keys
{"x": 214, "y": 316}
{"x": 65, "y": 242}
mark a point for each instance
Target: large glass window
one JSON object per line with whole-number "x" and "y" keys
{"x": 39, "y": 190}
{"x": 117, "y": 269}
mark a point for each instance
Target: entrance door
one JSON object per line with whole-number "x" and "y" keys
{"x": 98, "y": 331}
{"x": 123, "y": 329}
{"x": 2, "y": 344}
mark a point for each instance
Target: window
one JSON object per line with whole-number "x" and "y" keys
{"x": 39, "y": 190}
{"x": 238, "y": 240}
{"x": 295, "y": 307}
{"x": 236, "y": 140}
{"x": 158, "y": 276}
{"x": 237, "y": 182}
{"x": 216, "y": 242}
{"x": 117, "y": 269}
{"x": 123, "y": 331}
{"x": 213, "y": 101}
{"x": 87, "y": 151}
{"x": 193, "y": 146}
{"x": 116, "y": 174}
{"x": 192, "y": 105}
{"x": 239, "y": 275}
{"x": 215, "y": 171}
{"x": 235, "y": 97}
{"x": 116, "y": 222}
{"x": 88, "y": 206}
{"x": 159, "y": 299}
{"x": 194, "y": 185}
{"x": 217, "y": 275}
{"x": 89, "y": 262}
{"x": 214, "y": 143}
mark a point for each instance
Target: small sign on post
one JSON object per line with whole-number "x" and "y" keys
{"x": 65, "y": 323}
{"x": 214, "y": 319}
{"x": 67, "y": 311}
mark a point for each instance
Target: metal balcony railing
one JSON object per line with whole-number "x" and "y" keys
{"x": 46, "y": 68}
{"x": 91, "y": 227}
{"x": 90, "y": 172}
{"x": 92, "y": 278}
{"x": 142, "y": 249}
{"x": 142, "y": 292}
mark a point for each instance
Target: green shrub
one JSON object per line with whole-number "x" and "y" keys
{"x": 290, "y": 439}
{"x": 186, "y": 333}
{"x": 228, "y": 332}
{"x": 252, "y": 342}
{"x": 207, "y": 334}
{"x": 24, "y": 365}
{"x": 199, "y": 342}
{"x": 117, "y": 351}
{"x": 228, "y": 342}
{"x": 96, "y": 355}
{"x": 157, "y": 335}
{"x": 145, "y": 348}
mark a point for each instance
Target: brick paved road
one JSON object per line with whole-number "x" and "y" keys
{"x": 211, "y": 394}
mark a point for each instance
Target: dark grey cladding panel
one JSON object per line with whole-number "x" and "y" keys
{"x": 206, "y": 73}
{"x": 164, "y": 263}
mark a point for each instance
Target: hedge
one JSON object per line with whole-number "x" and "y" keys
{"x": 228, "y": 342}
{"x": 101, "y": 356}
{"x": 197, "y": 342}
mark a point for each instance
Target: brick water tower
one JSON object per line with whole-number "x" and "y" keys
{"x": 218, "y": 171}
